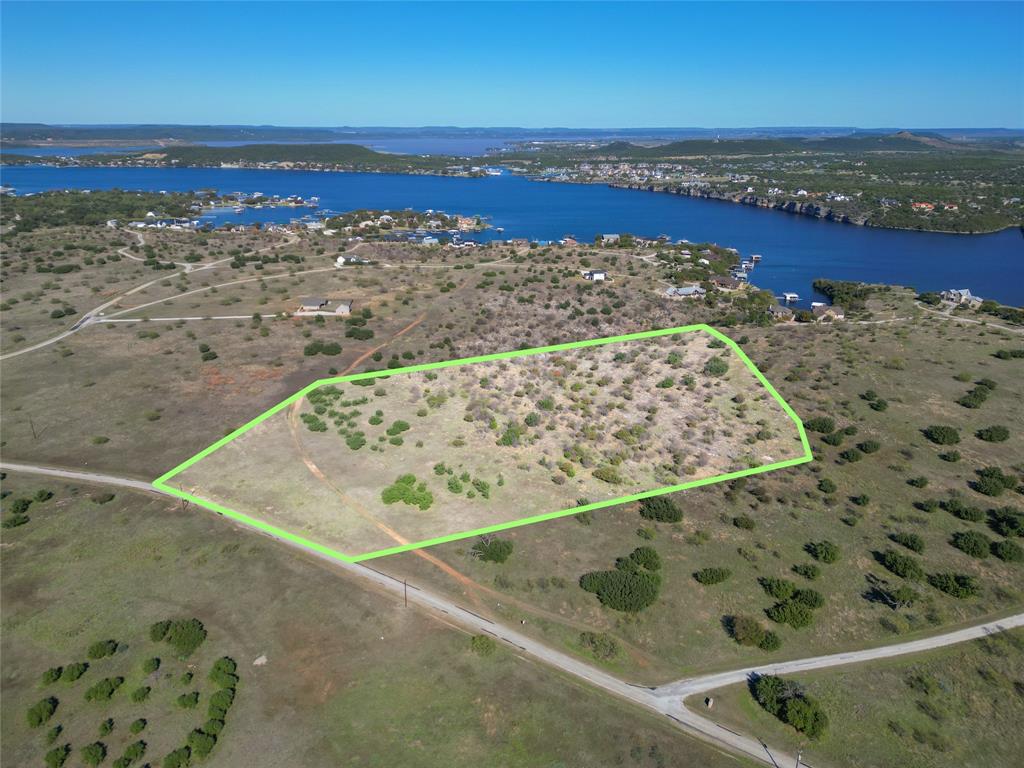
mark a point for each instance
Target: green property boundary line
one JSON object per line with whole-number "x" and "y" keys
{"x": 161, "y": 482}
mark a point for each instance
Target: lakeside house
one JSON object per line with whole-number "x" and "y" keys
{"x": 828, "y": 314}
{"x": 961, "y": 296}
{"x": 726, "y": 283}
{"x": 686, "y": 292}
{"x": 611, "y": 239}
{"x": 780, "y": 313}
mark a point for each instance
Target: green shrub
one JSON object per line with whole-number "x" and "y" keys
{"x": 956, "y": 507}
{"x": 972, "y": 543}
{"x": 869, "y": 446}
{"x": 223, "y": 674}
{"x": 179, "y": 758}
{"x": 823, "y": 551}
{"x": 942, "y": 434}
{"x": 716, "y": 366}
{"x": 959, "y": 585}
{"x": 996, "y": 434}
{"x": 149, "y": 666}
{"x": 608, "y": 474}
{"x": 902, "y": 565}
{"x": 52, "y": 675}
{"x": 74, "y": 671}
{"x": 406, "y": 490}
{"x": 744, "y": 522}
{"x": 600, "y": 645}
{"x": 992, "y": 481}
{"x": 95, "y": 753}
{"x": 787, "y": 701}
{"x": 41, "y": 711}
{"x": 1007, "y": 551}
{"x": 808, "y": 570}
{"x": 748, "y": 631}
{"x": 780, "y": 589}
{"x": 137, "y": 726}
{"x": 708, "y": 576}
{"x": 1007, "y": 521}
{"x": 851, "y": 455}
{"x": 158, "y": 631}
{"x": 185, "y": 635}
{"x": 57, "y": 756}
{"x": 796, "y": 614}
{"x": 104, "y": 689}
{"x": 482, "y": 645}
{"x": 660, "y": 508}
{"x": 491, "y": 549}
{"x": 188, "y": 700}
{"x": 632, "y": 586}
{"x": 911, "y": 541}
{"x": 826, "y": 486}
{"x": 102, "y": 649}
{"x": 809, "y": 597}
{"x": 823, "y": 424}
{"x": 140, "y": 694}
{"x": 201, "y": 743}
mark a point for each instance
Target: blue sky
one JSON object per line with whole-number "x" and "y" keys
{"x": 505, "y": 64}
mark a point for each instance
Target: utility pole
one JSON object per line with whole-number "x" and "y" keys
{"x": 32, "y": 426}
{"x": 405, "y": 583}
{"x": 799, "y": 754}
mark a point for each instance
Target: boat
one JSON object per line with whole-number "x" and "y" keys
{"x": 239, "y": 209}
{"x": 755, "y": 257}
{"x": 789, "y": 296}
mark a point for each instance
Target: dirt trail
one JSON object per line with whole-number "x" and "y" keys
{"x": 471, "y": 588}
{"x": 293, "y": 422}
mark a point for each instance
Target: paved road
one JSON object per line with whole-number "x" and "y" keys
{"x": 666, "y": 699}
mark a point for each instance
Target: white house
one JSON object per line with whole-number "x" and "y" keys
{"x": 961, "y": 296}
{"x": 597, "y": 275}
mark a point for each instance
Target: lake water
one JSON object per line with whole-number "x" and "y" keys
{"x": 796, "y": 249}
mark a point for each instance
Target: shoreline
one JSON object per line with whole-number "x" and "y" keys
{"x": 780, "y": 208}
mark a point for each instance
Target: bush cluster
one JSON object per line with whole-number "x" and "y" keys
{"x": 633, "y": 585}
{"x": 787, "y": 701}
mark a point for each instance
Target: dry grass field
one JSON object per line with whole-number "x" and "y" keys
{"x": 495, "y": 442}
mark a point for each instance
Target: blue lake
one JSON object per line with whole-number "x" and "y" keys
{"x": 796, "y": 249}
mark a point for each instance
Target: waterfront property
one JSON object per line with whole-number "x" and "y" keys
{"x": 802, "y": 248}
